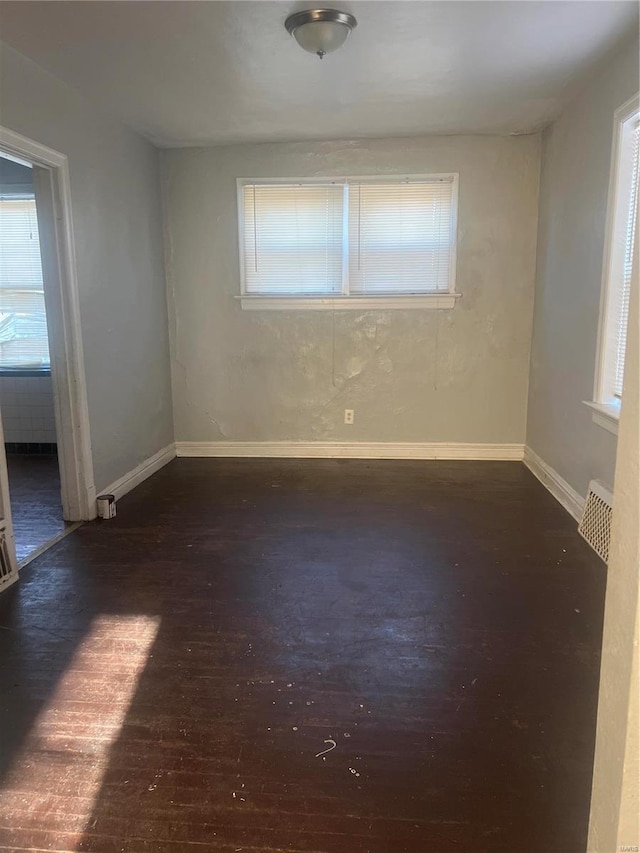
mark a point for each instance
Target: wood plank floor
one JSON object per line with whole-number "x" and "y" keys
{"x": 170, "y": 678}
{"x": 36, "y": 506}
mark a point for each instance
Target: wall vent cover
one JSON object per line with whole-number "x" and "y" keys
{"x": 595, "y": 525}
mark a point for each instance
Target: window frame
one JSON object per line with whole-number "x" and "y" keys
{"x": 345, "y": 300}
{"x": 605, "y": 407}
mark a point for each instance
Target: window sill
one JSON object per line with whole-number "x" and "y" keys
{"x": 24, "y": 372}
{"x": 605, "y": 415}
{"x": 350, "y": 303}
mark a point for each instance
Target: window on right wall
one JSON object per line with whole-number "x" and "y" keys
{"x": 618, "y": 258}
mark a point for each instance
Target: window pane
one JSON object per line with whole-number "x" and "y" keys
{"x": 622, "y": 300}
{"x": 292, "y": 239}
{"x": 23, "y": 325}
{"x": 401, "y": 236}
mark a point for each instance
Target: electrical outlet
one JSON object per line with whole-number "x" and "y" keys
{"x": 348, "y": 416}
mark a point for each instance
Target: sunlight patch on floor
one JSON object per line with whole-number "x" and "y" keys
{"x": 66, "y": 755}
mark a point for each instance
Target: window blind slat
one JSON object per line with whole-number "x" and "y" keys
{"x": 23, "y": 324}
{"x": 400, "y": 237}
{"x": 293, "y": 239}
{"x": 622, "y": 301}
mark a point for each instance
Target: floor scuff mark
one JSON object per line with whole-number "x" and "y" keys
{"x": 332, "y": 747}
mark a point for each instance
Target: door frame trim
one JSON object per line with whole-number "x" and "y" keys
{"x": 67, "y": 354}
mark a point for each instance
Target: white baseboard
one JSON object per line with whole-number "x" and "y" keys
{"x": 141, "y": 472}
{"x": 349, "y": 450}
{"x": 557, "y": 485}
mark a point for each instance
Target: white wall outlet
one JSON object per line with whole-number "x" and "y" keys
{"x": 348, "y": 416}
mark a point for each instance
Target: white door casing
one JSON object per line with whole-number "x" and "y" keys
{"x": 8, "y": 561}
{"x": 53, "y": 202}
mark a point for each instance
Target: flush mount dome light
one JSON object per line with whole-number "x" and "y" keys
{"x": 320, "y": 31}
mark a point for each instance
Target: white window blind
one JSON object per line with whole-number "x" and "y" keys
{"x": 622, "y": 294}
{"x": 292, "y": 239}
{"x": 401, "y": 238}
{"x": 23, "y": 324}
{"x": 348, "y": 237}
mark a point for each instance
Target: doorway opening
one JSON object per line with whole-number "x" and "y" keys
{"x": 26, "y": 390}
{"x": 46, "y": 471}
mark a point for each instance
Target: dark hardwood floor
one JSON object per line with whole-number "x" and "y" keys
{"x": 36, "y": 507}
{"x": 170, "y": 678}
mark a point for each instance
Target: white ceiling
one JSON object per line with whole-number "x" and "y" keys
{"x": 200, "y": 73}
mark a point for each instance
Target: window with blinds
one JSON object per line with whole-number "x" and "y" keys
{"x": 620, "y": 245}
{"x": 23, "y": 324}
{"x": 401, "y": 236}
{"x": 624, "y": 288}
{"x": 348, "y": 237}
{"x": 292, "y": 239}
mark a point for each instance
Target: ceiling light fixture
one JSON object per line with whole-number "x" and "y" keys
{"x": 320, "y": 31}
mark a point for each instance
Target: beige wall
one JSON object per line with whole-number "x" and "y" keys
{"x": 575, "y": 172}
{"x": 117, "y": 222}
{"x": 615, "y": 807}
{"x": 26, "y": 403}
{"x": 576, "y": 156}
{"x": 456, "y": 376}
